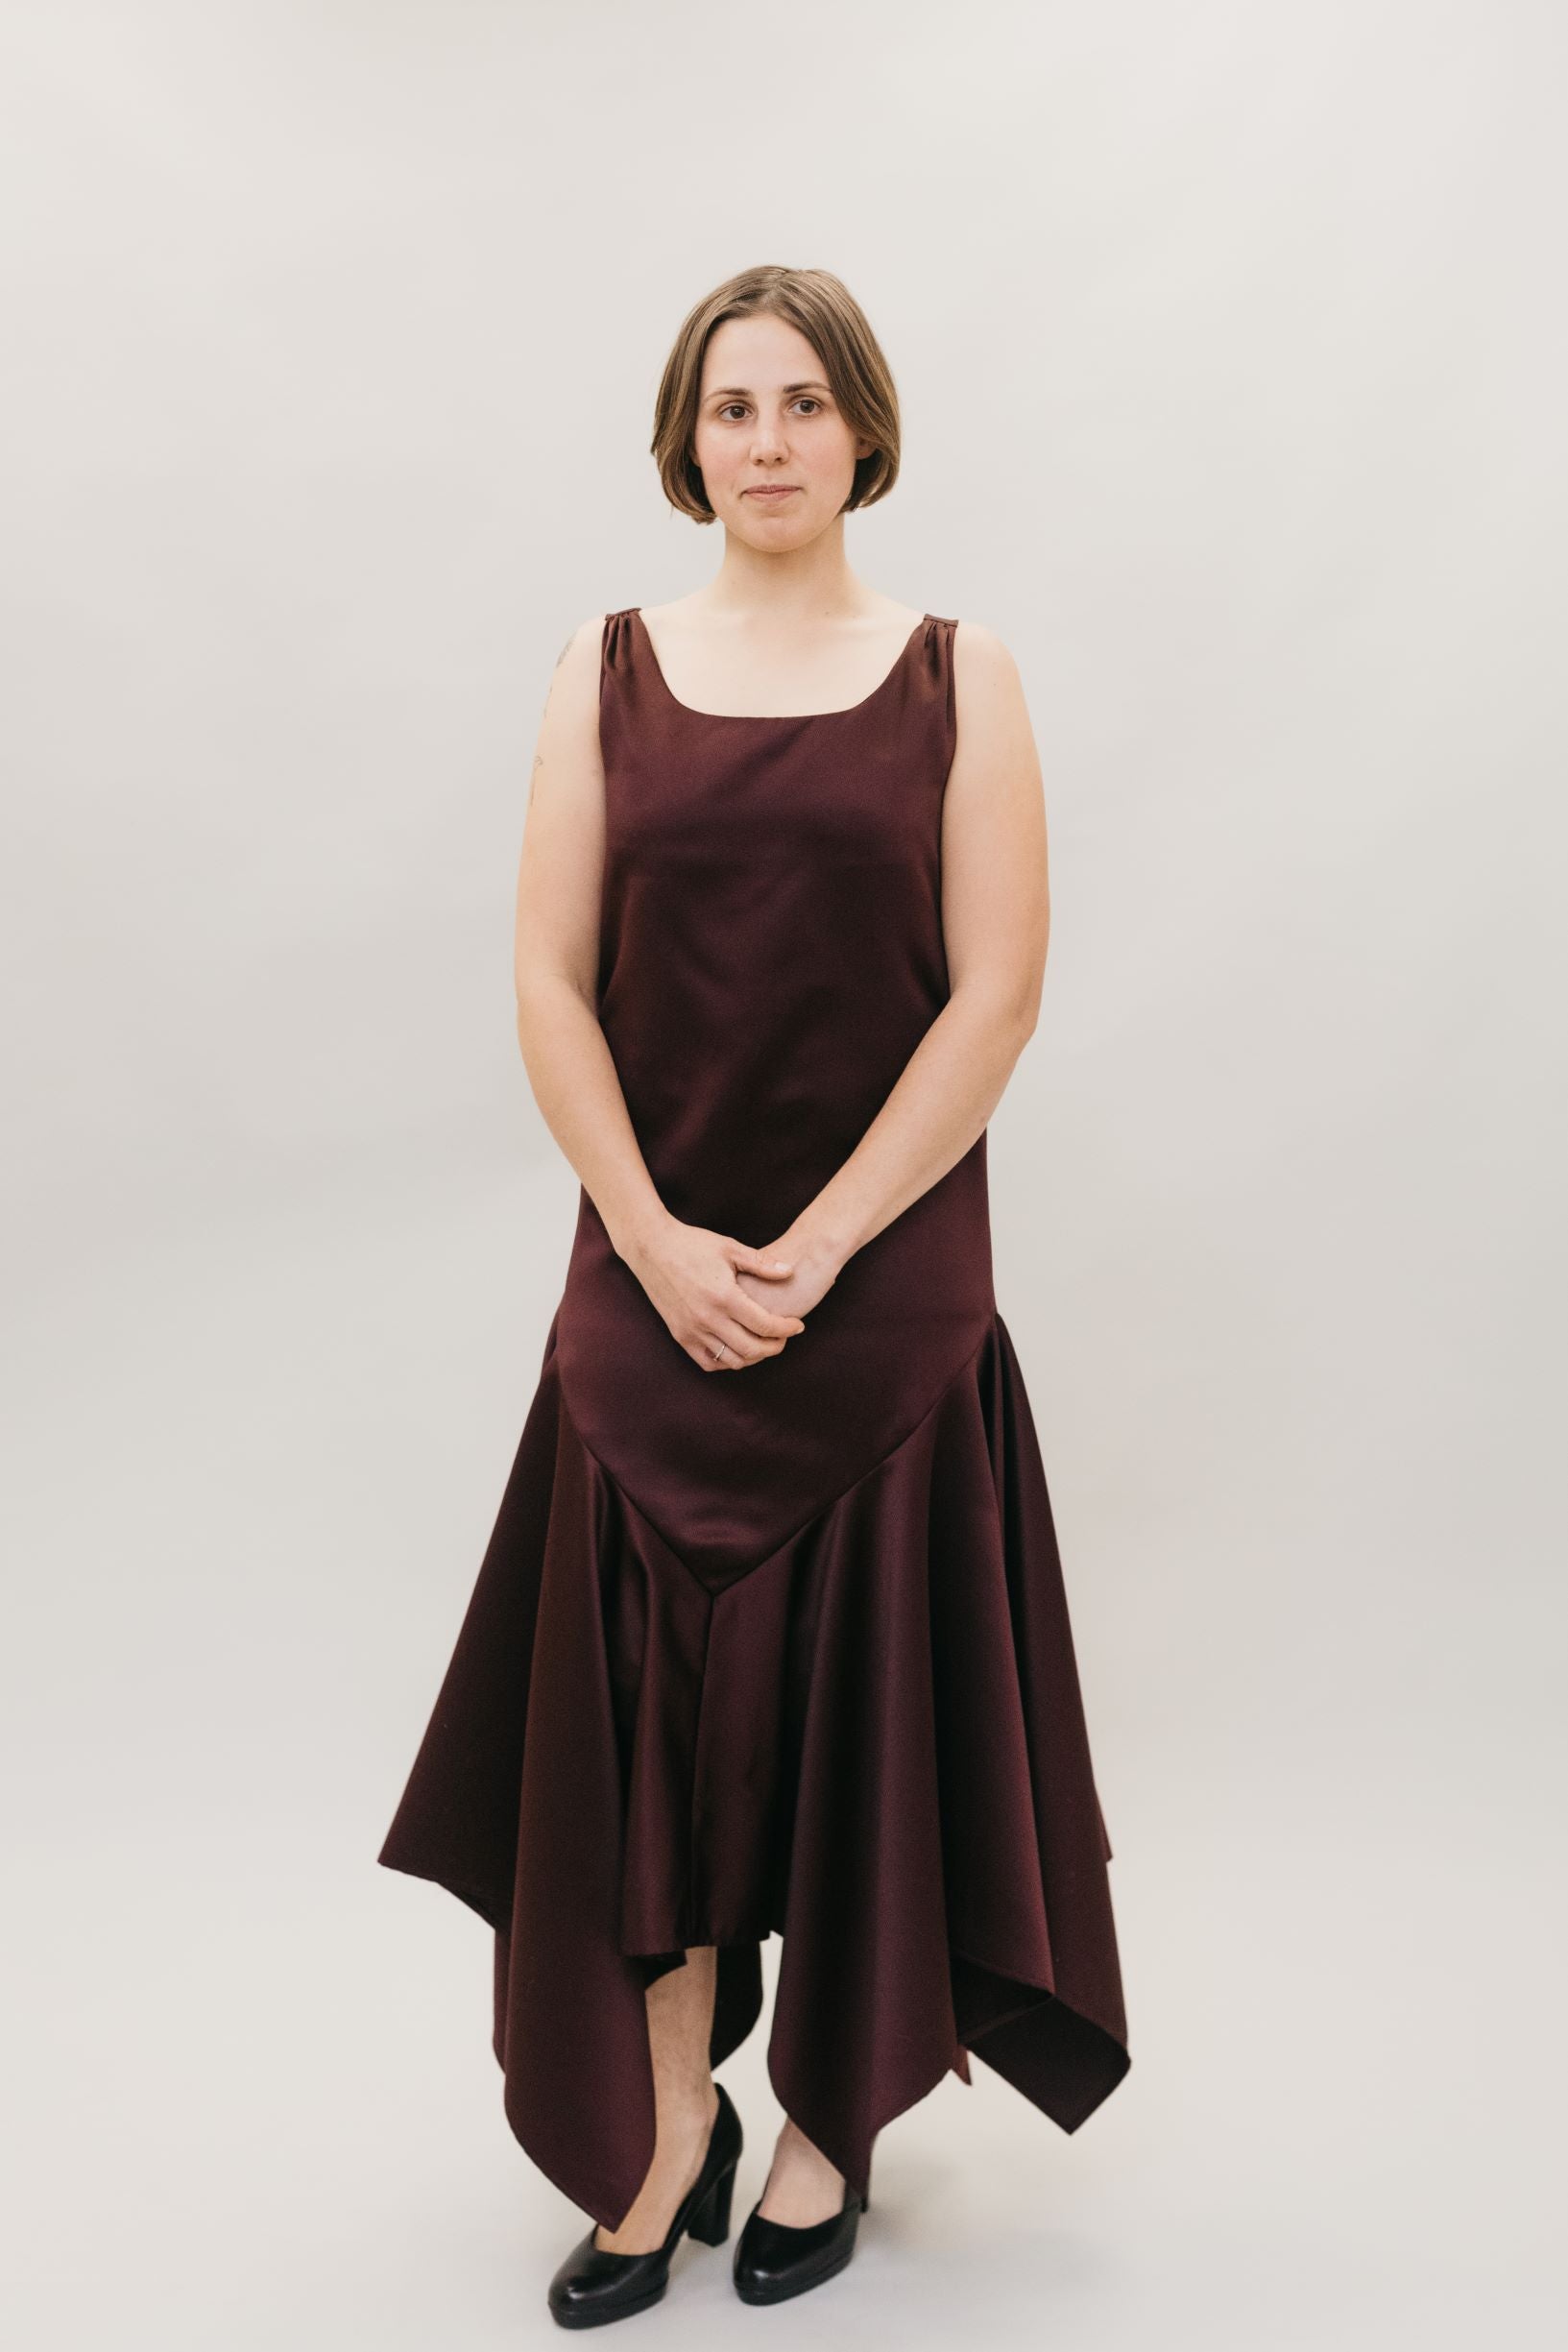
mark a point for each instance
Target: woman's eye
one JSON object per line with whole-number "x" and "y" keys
{"x": 730, "y": 406}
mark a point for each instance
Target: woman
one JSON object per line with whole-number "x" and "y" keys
{"x": 771, "y": 1633}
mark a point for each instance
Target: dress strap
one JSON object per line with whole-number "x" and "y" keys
{"x": 938, "y": 670}
{"x": 617, "y": 651}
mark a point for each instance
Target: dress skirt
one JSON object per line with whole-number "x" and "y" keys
{"x": 872, "y": 1745}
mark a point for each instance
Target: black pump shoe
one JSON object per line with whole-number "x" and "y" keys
{"x": 773, "y": 2261}
{"x": 594, "y": 2284}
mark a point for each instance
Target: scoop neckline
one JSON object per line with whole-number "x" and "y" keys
{"x": 778, "y": 718}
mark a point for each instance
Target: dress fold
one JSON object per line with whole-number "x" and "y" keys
{"x": 871, "y": 1744}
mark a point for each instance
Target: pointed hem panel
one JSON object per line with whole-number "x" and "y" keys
{"x": 872, "y": 1744}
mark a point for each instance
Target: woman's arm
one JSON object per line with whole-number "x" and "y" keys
{"x": 996, "y": 921}
{"x": 689, "y": 1274}
{"x": 557, "y": 947}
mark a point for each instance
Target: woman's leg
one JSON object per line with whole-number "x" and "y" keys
{"x": 801, "y": 2185}
{"x": 680, "y": 2035}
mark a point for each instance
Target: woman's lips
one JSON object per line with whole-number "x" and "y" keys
{"x": 783, "y": 492}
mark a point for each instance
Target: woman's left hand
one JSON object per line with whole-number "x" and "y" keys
{"x": 817, "y": 1264}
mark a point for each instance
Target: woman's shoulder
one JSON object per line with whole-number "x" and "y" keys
{"x": 578, "y": 661}
{"x": 573, "y": 694}
{"x": 983, "y": 668}
{"x": 972, "y": 642}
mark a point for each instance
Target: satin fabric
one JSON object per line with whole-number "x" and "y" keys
{"x": 784, "y": 1650}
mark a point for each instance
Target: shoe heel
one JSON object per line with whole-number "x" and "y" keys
{"x": 710, "y": 2220}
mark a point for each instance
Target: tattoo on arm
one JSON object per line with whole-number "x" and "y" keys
{"x": 539, "y": 757}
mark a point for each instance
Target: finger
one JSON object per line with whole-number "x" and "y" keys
{"x": 766, "y": 1322}
{"x": 760, "y": 1261}
{"x": 730, "y": 1347}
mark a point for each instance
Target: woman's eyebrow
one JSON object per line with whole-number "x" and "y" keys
{"x": 732, "y": 392}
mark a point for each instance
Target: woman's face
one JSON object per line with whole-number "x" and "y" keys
{"x": 767, "y": 421}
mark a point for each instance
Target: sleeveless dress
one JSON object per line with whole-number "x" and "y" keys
{"x": 783, "y": 1649}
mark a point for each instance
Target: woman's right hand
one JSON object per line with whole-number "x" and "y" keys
{"x": 690, "y": 1274}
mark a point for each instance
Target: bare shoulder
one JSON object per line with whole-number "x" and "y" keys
{"x": 571, "y": 704}
{"x": 987, "y": 690}
{"x": 576, "y": 676}
{"x": 981, "y": 662}
{"x": 567, "y": 761}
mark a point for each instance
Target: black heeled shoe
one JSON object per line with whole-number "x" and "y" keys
{"x": 773, "y": 2260}
{"x": 594, "y": 2284}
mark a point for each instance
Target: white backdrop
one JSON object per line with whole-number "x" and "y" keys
{"x": 1229, "y": 339}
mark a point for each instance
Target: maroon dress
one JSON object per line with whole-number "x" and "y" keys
{"x": 783, "y": 1649}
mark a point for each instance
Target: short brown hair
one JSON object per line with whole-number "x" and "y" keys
{"x": 833, "y": 321}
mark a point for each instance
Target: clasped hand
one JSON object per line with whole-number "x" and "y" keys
{"x": 727, "y": 1304}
